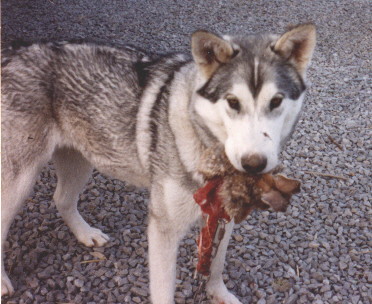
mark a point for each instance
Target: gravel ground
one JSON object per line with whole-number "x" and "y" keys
{"x": 319, "y": 251}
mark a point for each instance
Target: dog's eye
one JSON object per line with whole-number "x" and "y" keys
{"x": 276, "y": 102}
{"x": 233, "y": 102}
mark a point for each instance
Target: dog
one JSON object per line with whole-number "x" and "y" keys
{"x": 145, "y": 119}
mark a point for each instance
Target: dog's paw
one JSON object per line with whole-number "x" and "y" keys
{"x": 219, "y": 294}
{"x": 92, "y": 237}
{"x": 6, "y": 285}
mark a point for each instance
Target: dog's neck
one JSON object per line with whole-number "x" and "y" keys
{"x": 190, "y": 135}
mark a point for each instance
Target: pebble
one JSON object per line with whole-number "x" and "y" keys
{"x": 238, "y": 237}
{"x": 79, "y": 283}
{"x": 318, "y": 276}
{"x": 314, "y": 245}
{"x": 139, "y": 291}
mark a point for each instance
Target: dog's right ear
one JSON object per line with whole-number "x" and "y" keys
{"x": 210, "y": 51}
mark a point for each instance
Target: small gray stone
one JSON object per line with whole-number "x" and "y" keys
{"x": 318, "y": 276}
{"x": 343, "y": 265}
{"x": 46, "y": 273}
{"x": 139, "y": 291}
{"x": 79, "y": 283}
{"x": 292, "y": 299}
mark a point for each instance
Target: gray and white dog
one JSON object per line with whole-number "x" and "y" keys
{"x": 145, "y": 119}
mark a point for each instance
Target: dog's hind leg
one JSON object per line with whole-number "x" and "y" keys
{"x": 13, "y": 193}
{"x": 73, "y": 172}
{"x": 216, "y": 288}
{"x": 18, "y": 178}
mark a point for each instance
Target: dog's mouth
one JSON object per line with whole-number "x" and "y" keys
{"x": 276, "y": 170}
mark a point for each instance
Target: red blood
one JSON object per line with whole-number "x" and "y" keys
{"x": 210, "y": 203}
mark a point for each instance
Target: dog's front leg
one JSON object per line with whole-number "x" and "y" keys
{"x": 216, "y": 288}
{"x": 163, "y": 245}
{"x": 164, "y": 234}
{"x": 172, "y": 212}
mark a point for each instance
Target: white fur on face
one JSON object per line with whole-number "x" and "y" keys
{"x": 211, "y": 114}
{"x": 255, "y": 129}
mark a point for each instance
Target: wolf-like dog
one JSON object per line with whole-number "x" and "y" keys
{"x": 145, "y": 119}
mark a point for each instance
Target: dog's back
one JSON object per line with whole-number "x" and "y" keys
{"x": 67, "y": 94}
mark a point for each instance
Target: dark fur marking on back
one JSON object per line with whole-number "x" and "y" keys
{"x": 143, "y": 72}
{"x": 162, "y": 97}
{"x": 160, "y": 108}
{"x": 19, "y": 43}
{"x": 57, "y": 47}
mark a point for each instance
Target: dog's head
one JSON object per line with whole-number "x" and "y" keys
{"x": 250, "y": 91}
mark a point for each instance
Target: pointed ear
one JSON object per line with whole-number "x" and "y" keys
{"x": 297, "y": 46}
{"x": 210, "y": 51}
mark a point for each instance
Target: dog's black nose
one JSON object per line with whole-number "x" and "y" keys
{"x": 254, "y": 163}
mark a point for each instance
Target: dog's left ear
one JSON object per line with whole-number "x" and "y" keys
{"x": 210, "y": 51}
{"x": 297, "y": 45}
